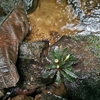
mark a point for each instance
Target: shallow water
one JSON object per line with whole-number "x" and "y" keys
{"x": 55, "y": 18}
{"x": 89, "y": 15}
{"x": 88, "y": 12}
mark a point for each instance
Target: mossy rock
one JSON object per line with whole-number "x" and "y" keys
{"x": 87, "y": 51}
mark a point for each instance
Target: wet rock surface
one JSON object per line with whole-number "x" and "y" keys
{"x": 82, "y": 17}
{"x": 7, "y": 5}
{"x": 21, "y": 97}
{"x": 12, "y": 32}
{"x": 30, "y": 63}
{"x": 86, "y": 87}
{"x": 88, "y": 13}
{"x": 48, "y": 96}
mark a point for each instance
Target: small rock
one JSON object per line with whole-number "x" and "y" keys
{"x": 21, "y": 97}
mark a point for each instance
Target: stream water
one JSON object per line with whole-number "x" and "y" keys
{"x": 55, "y": 18}
{"x": 88, "y": 11}
{"x": 62, "y": 16}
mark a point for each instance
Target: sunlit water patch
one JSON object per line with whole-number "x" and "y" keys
{"x": 55, "y": 18}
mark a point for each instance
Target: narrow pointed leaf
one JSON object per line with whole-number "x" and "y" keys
{"x": 51, "y": 66}
{"x": 64, "y": 53}
{"x": 68, "y": 63}
{"x": 52, "y": 74}
{"x": 66, "y": 76}
{"x": 45, "y": 75}
{"x": 70, "y": 68}
{"x": 73, "y": 59}
{"x": 67, "y": 57}
{"x": 58, "y": 78}
{"x": 61, "y": 63}
{"x": 70, "y": 73}
{"x": 57, "y": 54}
{"x": 51, "y": 56}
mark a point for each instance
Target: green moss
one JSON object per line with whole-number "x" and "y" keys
{"x": 93, "y": 44}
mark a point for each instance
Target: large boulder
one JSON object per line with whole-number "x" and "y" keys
{"x": 33, "y": 61}
{"x": 87, "y": 51}
{"x": 12, "y": 32}
{"x": 30, "y": 64}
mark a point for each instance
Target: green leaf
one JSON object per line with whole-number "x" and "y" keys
{"x": 73, "y": 59}
{"x": 51, "y": 66}
{"x": 51, "y": 56}
{"x": 52, "y": 74}
{"x": 61, "y": 62}
{"x": 67, "y": 64}
{"x": 58, "y": 78}
{"x": 70, "y": 73}
{"x": 64, "y": 53}
{"x": 45, "y": 75}
{"x": 70, "y": 68}
{"x": 57, "y": 54}
{"x": 67, "y": 57}
{"x": 66, "y": 76}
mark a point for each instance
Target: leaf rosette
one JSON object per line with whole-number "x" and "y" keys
{"x": 61, "y": 65}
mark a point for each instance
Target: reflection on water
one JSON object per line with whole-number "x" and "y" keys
{"x": 89, "y": 15}
{"x": 61, "y": 17}
{"x": 54, "y": 18}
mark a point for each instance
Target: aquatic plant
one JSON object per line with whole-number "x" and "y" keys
{"x": 61, "y": 65}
